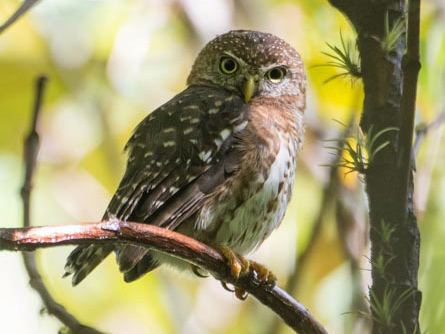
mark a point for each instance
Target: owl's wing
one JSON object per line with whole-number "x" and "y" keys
{"x": 177, "y": 156}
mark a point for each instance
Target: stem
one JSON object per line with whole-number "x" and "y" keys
{"x": 31, "y": 148}
{"x": 17, "y": 14}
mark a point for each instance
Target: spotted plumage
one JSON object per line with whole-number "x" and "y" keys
{"x": 217, "y": 161}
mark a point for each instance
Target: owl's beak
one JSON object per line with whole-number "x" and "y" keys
{"x": 249, "y": 88}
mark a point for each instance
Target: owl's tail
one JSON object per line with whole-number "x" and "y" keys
{"x": 83, "y": 259}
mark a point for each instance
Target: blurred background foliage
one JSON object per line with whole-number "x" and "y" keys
{"x": 111, "y": 62}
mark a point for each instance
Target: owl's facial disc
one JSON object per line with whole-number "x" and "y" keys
{"x": 250, "y": 64}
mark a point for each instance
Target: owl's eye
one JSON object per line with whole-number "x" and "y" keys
{"x": 228, "y": 65}
{"x": 276, "y": 74}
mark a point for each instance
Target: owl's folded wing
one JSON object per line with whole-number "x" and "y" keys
{"x": 177, "y": 156}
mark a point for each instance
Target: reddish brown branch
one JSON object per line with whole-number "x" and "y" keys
{"x": 185, "y": 248}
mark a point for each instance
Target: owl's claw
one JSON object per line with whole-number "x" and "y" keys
{"x": 240, "y": 266}
{"x": 197, "y": 271}
{"x": 226, "y": 287}
{"x": 241, "y": 294}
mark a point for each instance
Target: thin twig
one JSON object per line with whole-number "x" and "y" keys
{"x": 18, "y": 13}
{"x": 423, "y": 131}
{"x": 170, "y": 242}
{"x": 31, "y": 148}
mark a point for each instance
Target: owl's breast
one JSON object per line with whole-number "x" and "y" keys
{"x": 249, "y": 206}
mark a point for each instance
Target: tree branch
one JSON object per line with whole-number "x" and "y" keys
{"x": 170, "y": 242}
{"x": 421, "y": 132}
{"x": 18, "y": 13}
{"x": 30, "y": 150}
{"x": 411, "y": 68}
{"x": 390, "y": 94}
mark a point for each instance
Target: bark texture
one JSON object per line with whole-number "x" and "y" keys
{"x": 390, "y": 80}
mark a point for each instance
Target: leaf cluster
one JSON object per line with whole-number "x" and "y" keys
{"x": 357, "y": 150}
{"x": 346, "y": 58}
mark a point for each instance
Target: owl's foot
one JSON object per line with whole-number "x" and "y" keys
{"x": 262, "y": 274}
{"x": 240, "y": 266}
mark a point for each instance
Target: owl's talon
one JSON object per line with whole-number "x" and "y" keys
{"x": 241, "y": 294}
{"x": 197, "y": 271}
{"x": 240, "y": 266}
{"x": 226, "y": 287}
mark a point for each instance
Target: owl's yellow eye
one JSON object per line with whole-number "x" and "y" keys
{"x": 276, "y": 74}
{"x": 228, "y": 65}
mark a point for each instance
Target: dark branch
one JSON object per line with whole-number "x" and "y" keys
{"x": 18, "y": 13}
{"x": 390, "y": 80}
{"x": 411, "y": 67}
{"x": 175, "y": 244}
{"x": 31, "y": 148}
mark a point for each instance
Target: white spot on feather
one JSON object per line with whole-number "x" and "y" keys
{"x": 169, "y": 143}
{"x": 218, "y": 142}
{"x": 225, "y": 134}
{"x": 184, "y": 118}
{"x": 240, "y": 127}
{"x": 204, "y": 156}
{"x": 188, "y": 130}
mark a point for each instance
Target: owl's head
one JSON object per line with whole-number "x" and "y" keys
{"x": 250, "y": 64}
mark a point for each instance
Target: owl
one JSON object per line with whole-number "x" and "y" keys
{"x": 217, "y": 161}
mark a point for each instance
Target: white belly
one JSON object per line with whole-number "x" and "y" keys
{"x": 248, "y": 224}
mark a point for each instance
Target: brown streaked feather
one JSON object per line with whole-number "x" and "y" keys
{"x": 135, "y": 261}
{"x": 146, "y": 264}
{"x": 169, "y": 152}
